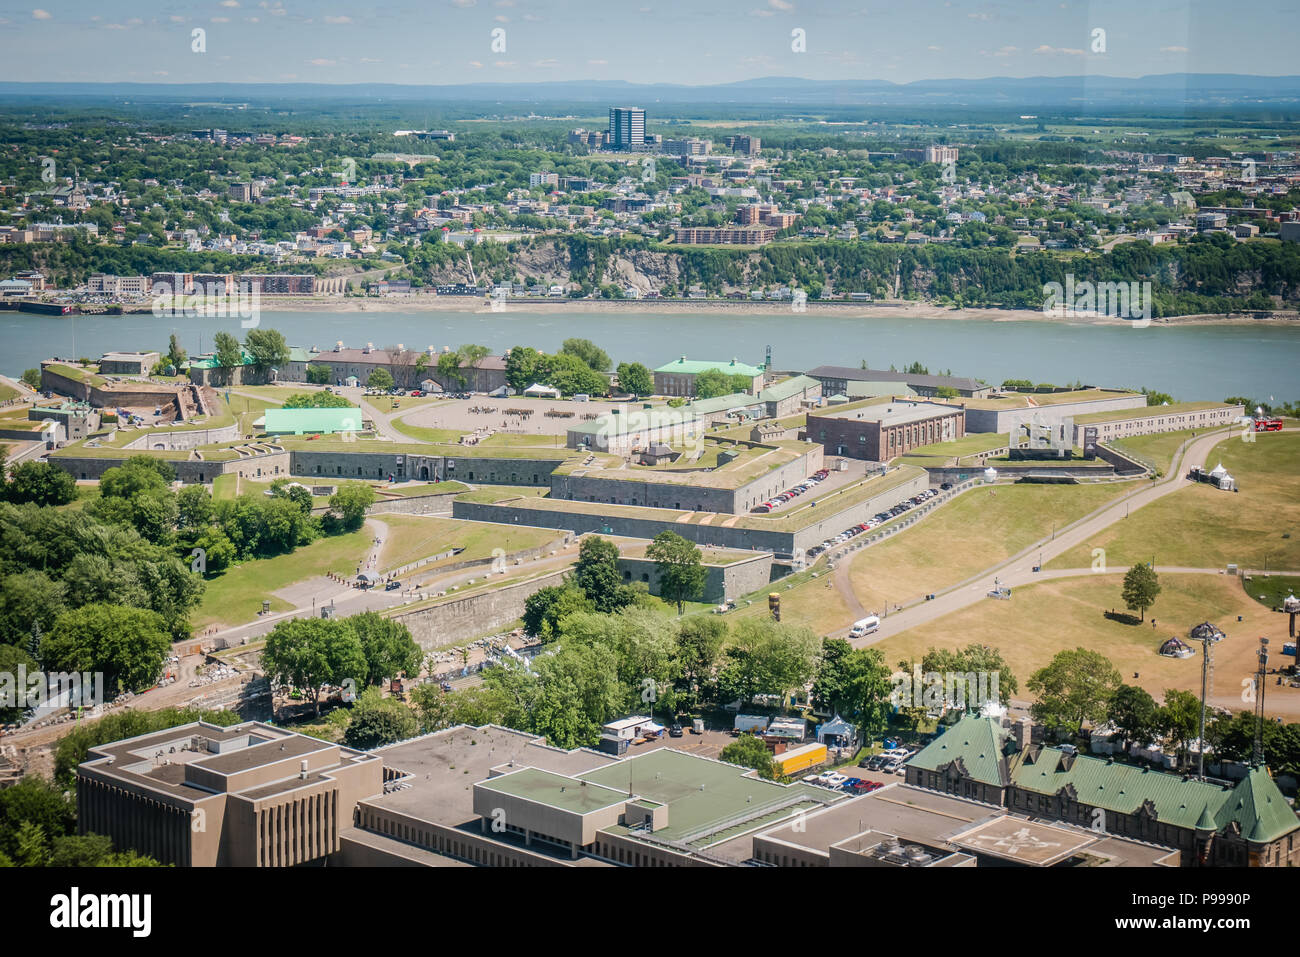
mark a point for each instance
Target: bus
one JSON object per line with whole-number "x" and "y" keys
{"x": 1268, "y": 425}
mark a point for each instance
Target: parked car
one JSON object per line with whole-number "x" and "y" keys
{"x": 675, "y": 731}
{"x": 393, "y": 586}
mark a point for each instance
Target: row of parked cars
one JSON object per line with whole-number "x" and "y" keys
{"x": 807, "y": 485}
{"x": 843, "y": 782}
{"x": 890, "y": 761}
{"x": 878, "y": 519}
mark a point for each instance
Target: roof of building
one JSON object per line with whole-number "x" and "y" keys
{"x": 301, "y": 421}
{"x": 892, "y": 413}
{"x": 685, "y": 366}
{"x": 796, "y": 385}
{"x": 876, "y": 375}
{"x": 723, "y": 403}
{"x": 1255, "y": 804}
{"x": 637, "y": 420}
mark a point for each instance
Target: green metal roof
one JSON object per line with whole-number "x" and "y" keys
{"x": 685, "y": 366}
{"x": 723, "y": 403}
{"x": 792, "y": 386}
{"x": 977, "y": 742}
{"x": 304, "y": 421}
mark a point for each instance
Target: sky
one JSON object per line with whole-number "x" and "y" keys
{"x": 694, "y": 42}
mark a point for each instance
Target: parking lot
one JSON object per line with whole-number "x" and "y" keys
{"x": 836, "y": 478}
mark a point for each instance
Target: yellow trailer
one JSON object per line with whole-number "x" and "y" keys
{"x": 801, "y": 758}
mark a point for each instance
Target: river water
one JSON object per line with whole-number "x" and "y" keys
{"x": 1189, "y": 362}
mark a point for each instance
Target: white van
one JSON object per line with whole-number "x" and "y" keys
{"x": 865, "y": 626}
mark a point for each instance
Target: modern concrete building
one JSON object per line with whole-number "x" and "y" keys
{"x": 626, "y": 128}
{"x": 128, "y": 363}
{"x": 879, "y": 431}
{"x": 199, "y": 795}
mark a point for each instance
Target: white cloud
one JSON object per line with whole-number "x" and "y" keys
{"x": 1173, "y": 49}
{"x": 934, "y": 49}
{"x": 597, "y": 63}
{"x": 220, "y": 20}
{"x": 323, "y": 61}
{"x": 1046, "y": 50}
{"x": 780, "y": 5}
{"x": 546, "y": 63}
{"x": 39, "y": 14}
{"x": 232, "y": 4}
{"x": 979, "y": 16}
{"x": 1006, "y": 51}
{"x": 338, "y": 20}
{"x": 476, "y": 64}
{"x": 501, "y": 18}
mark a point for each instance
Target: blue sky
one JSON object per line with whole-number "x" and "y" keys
{"x": 684, "y": 41}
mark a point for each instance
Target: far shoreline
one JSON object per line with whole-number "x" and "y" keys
{"x": 893, "y": 309}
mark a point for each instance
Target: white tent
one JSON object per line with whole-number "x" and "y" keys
{"x": 990, "y": 474}
{"x": 537, "y": 389}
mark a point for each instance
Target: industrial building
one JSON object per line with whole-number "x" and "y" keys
{"x": 879, "y": 431}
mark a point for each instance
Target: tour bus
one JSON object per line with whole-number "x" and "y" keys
{"x": 1268, "y": 425}
{"x": 864, "y": 626}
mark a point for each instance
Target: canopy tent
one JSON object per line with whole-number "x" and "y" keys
{"x": 836, "y": 732}
{"x": 537, "y": 389}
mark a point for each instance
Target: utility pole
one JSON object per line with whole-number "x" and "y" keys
{"x": 1259, "y": 703}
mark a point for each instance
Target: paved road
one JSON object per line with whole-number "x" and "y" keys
{"x": 1019, "y": 569}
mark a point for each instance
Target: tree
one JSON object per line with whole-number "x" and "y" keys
{"x": 128, "y": 645}
{"x": 699, "y": 643}
{"x": 524, "y": 366}
{"x": 11, "y": 659}
{"x": 544, "y": 608}
{"x": 594, "y": 357}
{"x": 449, "y": 369}
{"x": 41, "y": 807}
{"x": 1141, "y": 586}
{"x": 40, "y": 483}
{"x": 1135, "y": 714}
{"x": 310, "y": 653}
{"x": 974, "y": 659}
{"x": 32, "y": 378}
{"x": 226, "y": 351}
{"x": 175, "y": 354}
{"x": 571, "y": 376}
{"x": 768, "y": 658}
{"x": 267, "y": 347}
{"x": 319, "y": 374}
{"x": 597, "y": 574}
{"x": 317, "y": 400}
{"x": 749, "y": 751}
{"x": 712, "y": 383}
{"x": 680, "y": 568}
{"x": 1178, "y": 720}
{"x": 193, "y": 508}
{"x": 388, "y": 646}
{"x": 350, "y": 503}
{"x": 380, "y": 379}
{"x": 1076, "y": 686}
{"x": 377, "y": 721}
{"x": 635, "y": 379}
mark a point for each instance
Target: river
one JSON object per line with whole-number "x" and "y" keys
{"x": 1190, "y": 362}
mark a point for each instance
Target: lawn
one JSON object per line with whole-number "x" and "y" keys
{"x": 499, "y": 493}
{"x": 1154, "y": 450}
{"x": 8, "y": 392}
{"x": 419, "y": 488}
{"x": 412, "y": 537}
{"x": 1045, "y": 618}
{"x": 510, "y": 440}
{"x": 1272, "y": 590}
{"x": 807, "y": 601}
{"x": 972, "y": 444}
{"x": 235, "y": 597}
{"x": 1203, "y": 527}
{"x": 423, "y": 434}
{"x": 974, "y": 531}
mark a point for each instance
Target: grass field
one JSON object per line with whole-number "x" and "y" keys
{"x": 412, "y": 537}
{"x": 1272, "y": 590}
{"x": 235, "y": 596}
{"x": 974, "y": 531}
{"x": 419, "y": 488}
{"x": 1203, "y": 527}
{"x": 510, "y": 440}
{"x": 424, "y": 434}
{"x": 1045, "y": 618}
{"x": 1157, "y": 449}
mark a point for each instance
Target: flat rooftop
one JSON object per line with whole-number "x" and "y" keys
{"x": 888, "y": 413}
{"x": 555, "y": 790}
{"x": 708, "y": 801}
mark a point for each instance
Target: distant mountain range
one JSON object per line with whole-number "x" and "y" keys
{"x": 1163, "y": 90}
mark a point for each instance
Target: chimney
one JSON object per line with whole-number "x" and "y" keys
{"x": 1023, "y": 732}
{"x": 302, "y": 770}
